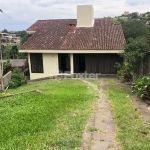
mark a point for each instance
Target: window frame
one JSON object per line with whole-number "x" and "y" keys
{"x": 36, "y": 62}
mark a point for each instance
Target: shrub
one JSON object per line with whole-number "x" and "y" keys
{"x": 142, "y": 87}
{"x": 6, "y": 64}
{"x": 123, "y": 72}
{"x": 17, "y": 78}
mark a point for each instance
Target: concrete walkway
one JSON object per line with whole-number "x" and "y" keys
{"x": 101, "y": 129}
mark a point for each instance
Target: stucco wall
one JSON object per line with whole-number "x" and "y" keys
{"x": 50, "y": 66}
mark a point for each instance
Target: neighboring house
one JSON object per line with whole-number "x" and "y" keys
{"x": 148, "y": 23}
{"x": 126, "y": 13}
{"x": 10, "y": 39}
{"x": 16, "y": 63}
{"x": 68, "y": 46}
{"x": 145, "y": 15}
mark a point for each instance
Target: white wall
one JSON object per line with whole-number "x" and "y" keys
{"x": 50, "y": 66}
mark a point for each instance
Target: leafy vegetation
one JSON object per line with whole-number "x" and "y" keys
{"x": 132, "y": 132}
{"x": 123, "y": 72}
{"x": 6, "y": 64}
{"x": 53, "y": 119}
{"x": 142, "y": 87}
{"x": 135, "y": 51}
{"x": 134, "y": 29}
{"x": 13, "y": 52}
{"x": 24, "y": 38}
{"x": 5, "y": 31}
{"x": 21, "y": 33}
{"x": 118, "y": 20}
{"x": 17, "y": 78}
{"x": 137, "y": 36}
{"x": 6, "y": 52}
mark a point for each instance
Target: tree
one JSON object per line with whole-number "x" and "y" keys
{"x": 24, "y": 38}
{"x": 5, "y": 31}
{"x": 133, "y": 15}
{"x": 14, "y": 52}
{"x": 21, "y": 33}
{"x": 119, "y": 20}
{"x": 1, "y": 10}
{"x": 135, "y": 51}
{"x": 134, "y": 29}
{"x": 6, "y": 52}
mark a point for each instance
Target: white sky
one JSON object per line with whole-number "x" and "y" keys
{"x": 20, "y": 14}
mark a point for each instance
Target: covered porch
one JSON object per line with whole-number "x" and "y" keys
{"x": 88, "y": 63}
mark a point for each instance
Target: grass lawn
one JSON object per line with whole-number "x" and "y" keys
{"x": 53, "y": 119}
{"x": 94, "y": 81}
{"x": 132, "y": 132}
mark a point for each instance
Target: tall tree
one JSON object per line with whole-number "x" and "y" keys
{"x": 135, "y": 51}
{"x": 14, "y": 52}
{"x": 6, "y": 52}
{"x": 134, "y": 29}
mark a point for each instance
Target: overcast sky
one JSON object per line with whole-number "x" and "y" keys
{"x": 20, "y": 14}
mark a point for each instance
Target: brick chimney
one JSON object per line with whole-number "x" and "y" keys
{"x": 72, "y": 28}
{"x": 85, "y": 16}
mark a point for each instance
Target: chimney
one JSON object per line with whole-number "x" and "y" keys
{"x": 72, "y": 28}
{"x": 85, "y": 16}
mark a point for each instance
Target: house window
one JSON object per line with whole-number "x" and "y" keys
{"x": 36, "y": 63}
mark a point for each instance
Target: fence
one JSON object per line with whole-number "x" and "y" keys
{"x": 7, "y": 78}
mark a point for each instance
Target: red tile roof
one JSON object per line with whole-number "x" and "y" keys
{"x": 55, "y": 35}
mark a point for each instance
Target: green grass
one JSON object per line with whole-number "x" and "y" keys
{"x": 93, "y": 129}
{"x": 53, "y": 119}
{"x": 94, "y": 81}
{"x": 132, "y": 132}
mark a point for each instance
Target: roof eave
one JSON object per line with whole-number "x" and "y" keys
{"x": 73, "y": 51}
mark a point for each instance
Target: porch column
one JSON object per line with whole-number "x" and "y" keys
{"x": 71, "y": 64}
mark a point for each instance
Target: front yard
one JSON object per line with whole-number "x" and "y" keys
{"x": 56, "y": 115}
{"x": 53, "y": 119}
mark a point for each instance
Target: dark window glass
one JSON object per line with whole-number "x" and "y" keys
{"x": 36, "y": 63}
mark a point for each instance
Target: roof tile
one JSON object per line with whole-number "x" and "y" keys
{"x": 54, "y": 35}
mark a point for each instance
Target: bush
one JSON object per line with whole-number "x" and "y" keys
{"x": 6, "y": 64}
{"x": 142, "y": 87}
{"x": 123, "y": 72}
{"x": 17, "y": 78}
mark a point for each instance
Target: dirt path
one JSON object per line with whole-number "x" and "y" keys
{"x": 101, "y": 129}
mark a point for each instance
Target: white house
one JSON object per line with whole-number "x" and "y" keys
{"x": 68, "y": 46}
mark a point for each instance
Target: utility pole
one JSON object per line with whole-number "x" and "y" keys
{"x": 1, "y": 67}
